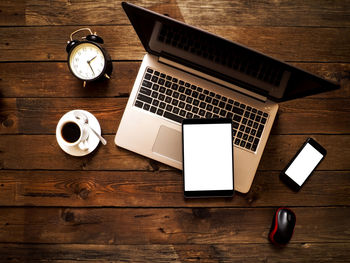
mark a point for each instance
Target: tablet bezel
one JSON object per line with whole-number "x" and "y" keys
{"x": 206, "y": 193}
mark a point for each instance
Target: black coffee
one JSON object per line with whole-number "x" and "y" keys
{"x": 70, "y": 132}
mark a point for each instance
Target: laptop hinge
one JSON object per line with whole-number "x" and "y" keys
{"x": 212, "y": 79}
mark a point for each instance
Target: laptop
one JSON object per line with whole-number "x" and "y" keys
{"x": 190, "y": 73}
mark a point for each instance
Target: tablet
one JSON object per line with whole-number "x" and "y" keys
{"x": 207, "y": 157}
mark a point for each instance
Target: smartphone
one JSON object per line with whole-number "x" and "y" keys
{"x": 303, "y": 164}
{"x": 207, "y": 158}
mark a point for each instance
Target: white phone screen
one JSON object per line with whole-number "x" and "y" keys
{"x": 208, "y": 157}
{"x": 304, "y": 164}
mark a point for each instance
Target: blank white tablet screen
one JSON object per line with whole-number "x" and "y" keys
{"x": 208, "y": 160}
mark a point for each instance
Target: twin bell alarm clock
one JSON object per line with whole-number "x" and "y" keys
{"x": 87, "y": 59}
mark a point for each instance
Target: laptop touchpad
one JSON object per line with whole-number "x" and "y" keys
{"x": 168, "y": 143}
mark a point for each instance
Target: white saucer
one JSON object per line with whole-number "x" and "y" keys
{"x": 92, "y": 140}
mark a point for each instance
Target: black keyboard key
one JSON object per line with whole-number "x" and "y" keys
{"x": 234, "y": 133}
{"x": 176, "y": 94}
{"x": 263, "y": 120}
{"x": 209, "y": 107}
{"x": 145, "y": 91}
{"x": 161, "y": 97}
{"x": 237, "y": 118}
{"x": 146, "y": 106}
{"x": 239, "y": 134}
{"x": 162, "y": 89}
{"x": 206, "y": 92}
{"x": 162, "y": 75}
{"x": 258, "y": 118}
{"x": 138, "y": 104}
{"x": 182, "y": 113}
{"x": 161, "y": 81}
{"x": 242, "y": 144}
{"x": 195, "y": 102}
{"x": 148, "y": 76}
{"x": 189, "y": 100}
{"x": 241, "y": 128}
{"x": 153, "y": 109}
{"x": 176, "y": 110}
{"x": 208, "y": 99}
{"x": 250, "y": 123}
{"x": 216, "y": 110}
{"x": 146, "y": 84}
{"x": 195, "y": 109}
{"x": 218, "y": 96}
{"x": 154, "y": 79}
{"x": 149, "y": 70}
{"x": 182, "y": 97}
{"x": 229, "y": 115}
{"x": 261, "y": 127}
{"x": 208, "y": 115}
{"x": 237, "y": 110}
{"x": 175, "y": 102}
{"x": 248, "y": 145}
{"x": 236, "y": 103}
{"x": 215, "y": 102}
{"x": 168, "y": 77}
{"x": 154, "y": 94}
{"x": 249, "y": 108}
{"x": 187, "y": 84}
{"x": 173, "y": 117}
{"x": 174, "y": 80}
{"x": 162, "y": 105}
{"x": 255, "y": 125}
{"x": 168, "y": 84}
{"x": 155, "y": 102}
{"x": 259, "y": 112}
{"x": 195, "y": 94}
{"x": 175, "y": 86}
{"x": 181, "y": 82}
{"x": 169, "y": 107}
{"x": 245, "y": 136}
{"x": 235, "y": 125}
{"x": 252, "y": 116}
{"x": 250, "y": 139}
{"x": 237, "y": 141}
{"x": 201, "y": 112}
{"x": 254, "y": 110}
{"x": 265, "y": 114}
{"x": 167, "y": 99}
{"x": 256, "y": 141}
{"x": 168, "y": 92}
{"x": 223, "y": 113}
{"x": 246, "y": 114}
{"x": 188, "y": 107}
{"x": 254, "y": 147}
{"x": 144, "y": 98}
{"x": 222, "y": 104}
{"x": 215, "y": 116}
{"x": 155, "y": 87}
{"x": 258, "y": 134}
{"x": 157, "y": 73}
{"x": 188, "y": 92}
{"x": 199, "y": 89}
{"x": 202, "y": 105}
{"x": 223, "y": 98}
{"x": 201, "y": 96}
{"x": 212, "y": 94}
{"x": 244, "y": 121}
{"x": 253, "y": 132}
{"x": 189, "y": 115}
{"x": 228, "y": 107}
{"x": 230, "y": 101}
{"x": 194, "y": 87}
{"x": 247, "y": 130}
{"x": 242, "y": 106}
{"x": 160, "y": 112}
{"x": 182, "y": 104}
{"x": 181, "y": 89}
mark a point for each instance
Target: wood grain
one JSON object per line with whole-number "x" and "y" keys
{"x": 52, "y": 80}
{"x": 41, "y": 115}
{"x": 160, "y": 189}
{"x": 279, "y": 150}
{"x": 307, "y": 44}
{"x": 296, "y": 252}
{"x": 166, "y": 226}
{"x": 218, "y": 12}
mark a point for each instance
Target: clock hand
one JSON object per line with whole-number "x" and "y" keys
{"x": 89, "y": 61}
{"x": 91, "y": 68}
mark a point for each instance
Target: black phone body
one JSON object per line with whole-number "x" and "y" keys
{"x": 302, "y": 165}
{"x": 207, "y": 158}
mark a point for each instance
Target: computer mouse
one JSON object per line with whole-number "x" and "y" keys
{"x": 282, "y": 227}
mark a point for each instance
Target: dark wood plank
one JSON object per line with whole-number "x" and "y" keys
{"x": 303, "y": 252}
{"x": 43, "y": 152}
{"x": 160, "y": 189}
{"x": 166, "y": 226}
{"x": 41, "y": 79}
{"x": 307, "y": 44}
{"x": 218, "y": 12}
{"x": 302, "y": 116}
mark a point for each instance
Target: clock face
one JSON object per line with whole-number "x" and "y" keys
{"x": 86, "y": 61}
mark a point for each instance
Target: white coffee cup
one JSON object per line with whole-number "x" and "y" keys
{"x": 73, "y": 133}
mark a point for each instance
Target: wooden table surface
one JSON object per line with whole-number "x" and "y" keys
{"x": 114, "y": 205}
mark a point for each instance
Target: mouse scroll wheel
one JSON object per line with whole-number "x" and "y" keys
{"x": 289, "y": 217}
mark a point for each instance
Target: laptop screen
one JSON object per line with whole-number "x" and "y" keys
{"x": 221, "y": 58}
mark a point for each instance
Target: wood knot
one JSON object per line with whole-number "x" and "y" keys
{"x": 83, "y": 189}
{"x": 201, "y": 213}
{"x": 7, "y": 123}
{"x": 68, "y": 216}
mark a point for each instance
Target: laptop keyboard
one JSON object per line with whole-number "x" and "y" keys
{"x": 176, "y": 100}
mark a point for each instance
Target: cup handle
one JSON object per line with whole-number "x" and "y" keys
{"x": 84, "y": 145}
